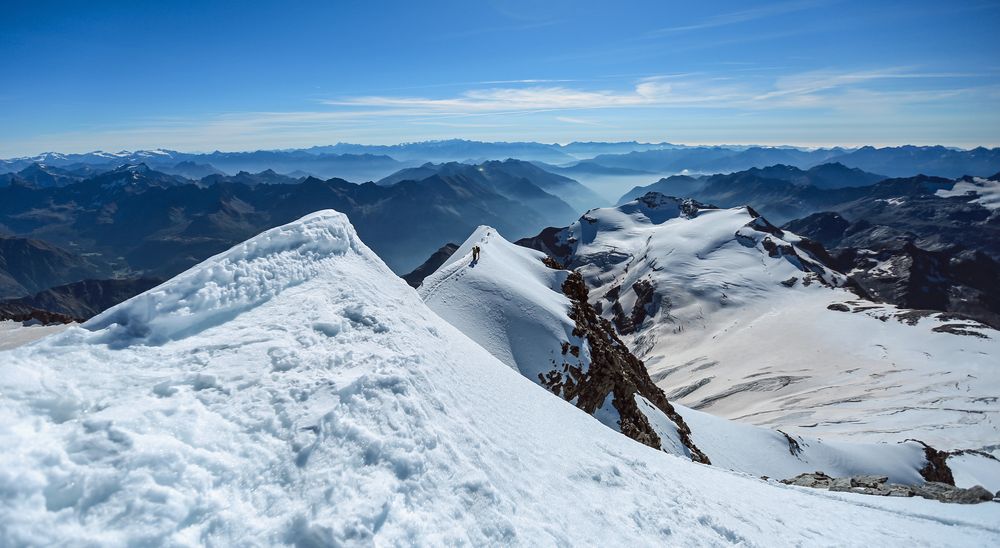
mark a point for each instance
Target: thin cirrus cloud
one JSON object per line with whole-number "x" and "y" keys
{"x": 485, "y": 109}
{"x": 817, "y": 89}
{"x": 744, "y": 16}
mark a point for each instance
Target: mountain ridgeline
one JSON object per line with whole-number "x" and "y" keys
{"x": 922, "y": 241}
{"x": 140, "y": 220}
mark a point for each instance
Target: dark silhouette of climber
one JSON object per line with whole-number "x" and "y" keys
{"x": 475, "y": 253}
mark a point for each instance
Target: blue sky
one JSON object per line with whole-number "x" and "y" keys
{"x": 202, "y": 76}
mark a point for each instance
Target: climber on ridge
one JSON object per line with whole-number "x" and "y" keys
{"x": 475, "y": 253}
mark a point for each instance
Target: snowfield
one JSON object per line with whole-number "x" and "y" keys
{"x": 740, "y": 325}
{"x": 293, "y": 390}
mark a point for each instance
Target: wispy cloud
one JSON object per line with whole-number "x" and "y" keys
{"x": 827, "y": 96}
{"x": 743, "y": 16}
{"x": 577, "y": 121}
{"x": 808, "y": 83}
{"x": 815, "y": 89}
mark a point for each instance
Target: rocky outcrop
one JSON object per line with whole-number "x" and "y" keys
{"x": 416, "y": 277}
{"x": 31, "y": 316}
{"x": 77, "y": 301}
{"x": 949, "y": 280}
{"x": 936, "y": 470}
{"x": 549, "y": 241}
{"x": 28, "y": 266}
{"x": 646, "y": 305}
{"x": 955, "y": 324}
{"x": 908, "y": 246}
{"x": 614, "y": 371}
{"x": 878, "y": 485}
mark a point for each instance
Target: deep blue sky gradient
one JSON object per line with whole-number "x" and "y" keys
{"x": 80, "y": 76}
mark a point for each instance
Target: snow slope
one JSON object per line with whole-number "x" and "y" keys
{"x": 738, "y": 325}
{"x": 509, "y": 287}
{"x": 329, "y": 406}
{"x": 512, "y": 305}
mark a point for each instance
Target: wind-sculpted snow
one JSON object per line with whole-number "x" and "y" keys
{"x": 229, "y": 283}
{"x": 333, "y": 408}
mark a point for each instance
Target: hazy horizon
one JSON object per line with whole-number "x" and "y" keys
{"x": 404, "y": 143}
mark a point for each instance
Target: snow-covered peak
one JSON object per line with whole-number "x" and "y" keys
{"x": 233, "y": 281}
{"x": 658, "y": 207}
{"x": 140, "y": 167}
{"x": 521, "y": 310}
{"x": 698, "y": 248}
{"x": 159, "y": 152}
{"x": 508, "y": 285}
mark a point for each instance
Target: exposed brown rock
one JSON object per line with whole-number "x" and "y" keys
{"x": 32, "y": 315}
{"x": 936, "y": 469}
{"x": 645, "y": 292}
{"x": 552, "y": 263}
{"x": 623, "y": 323}
{"x": 613, "y": 370}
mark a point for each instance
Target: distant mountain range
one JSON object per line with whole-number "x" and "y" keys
{"x": 361, "y": 163}
{"x": 891, "y": 161}
{"x": 97, "y": 216}
{"x": 135, "y": 219}
{"x": 918, "y": 242}
{"x": 781, "y": 192}
{"x": 30, "y": 265}
{"x": 77, "y": 301}
{"x": 355, "y": 167}
{"x": 515, "y": 179}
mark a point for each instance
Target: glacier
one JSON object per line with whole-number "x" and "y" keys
{"x": 742, "y": 321}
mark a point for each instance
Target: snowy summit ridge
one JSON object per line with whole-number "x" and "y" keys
{"x": 233, "y": 281}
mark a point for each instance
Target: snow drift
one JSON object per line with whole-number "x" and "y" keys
{"x": 330, "y": 406}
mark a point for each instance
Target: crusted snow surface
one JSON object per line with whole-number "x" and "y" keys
{"x": 331, "y": 407}
{"x": 741, "y": 333}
